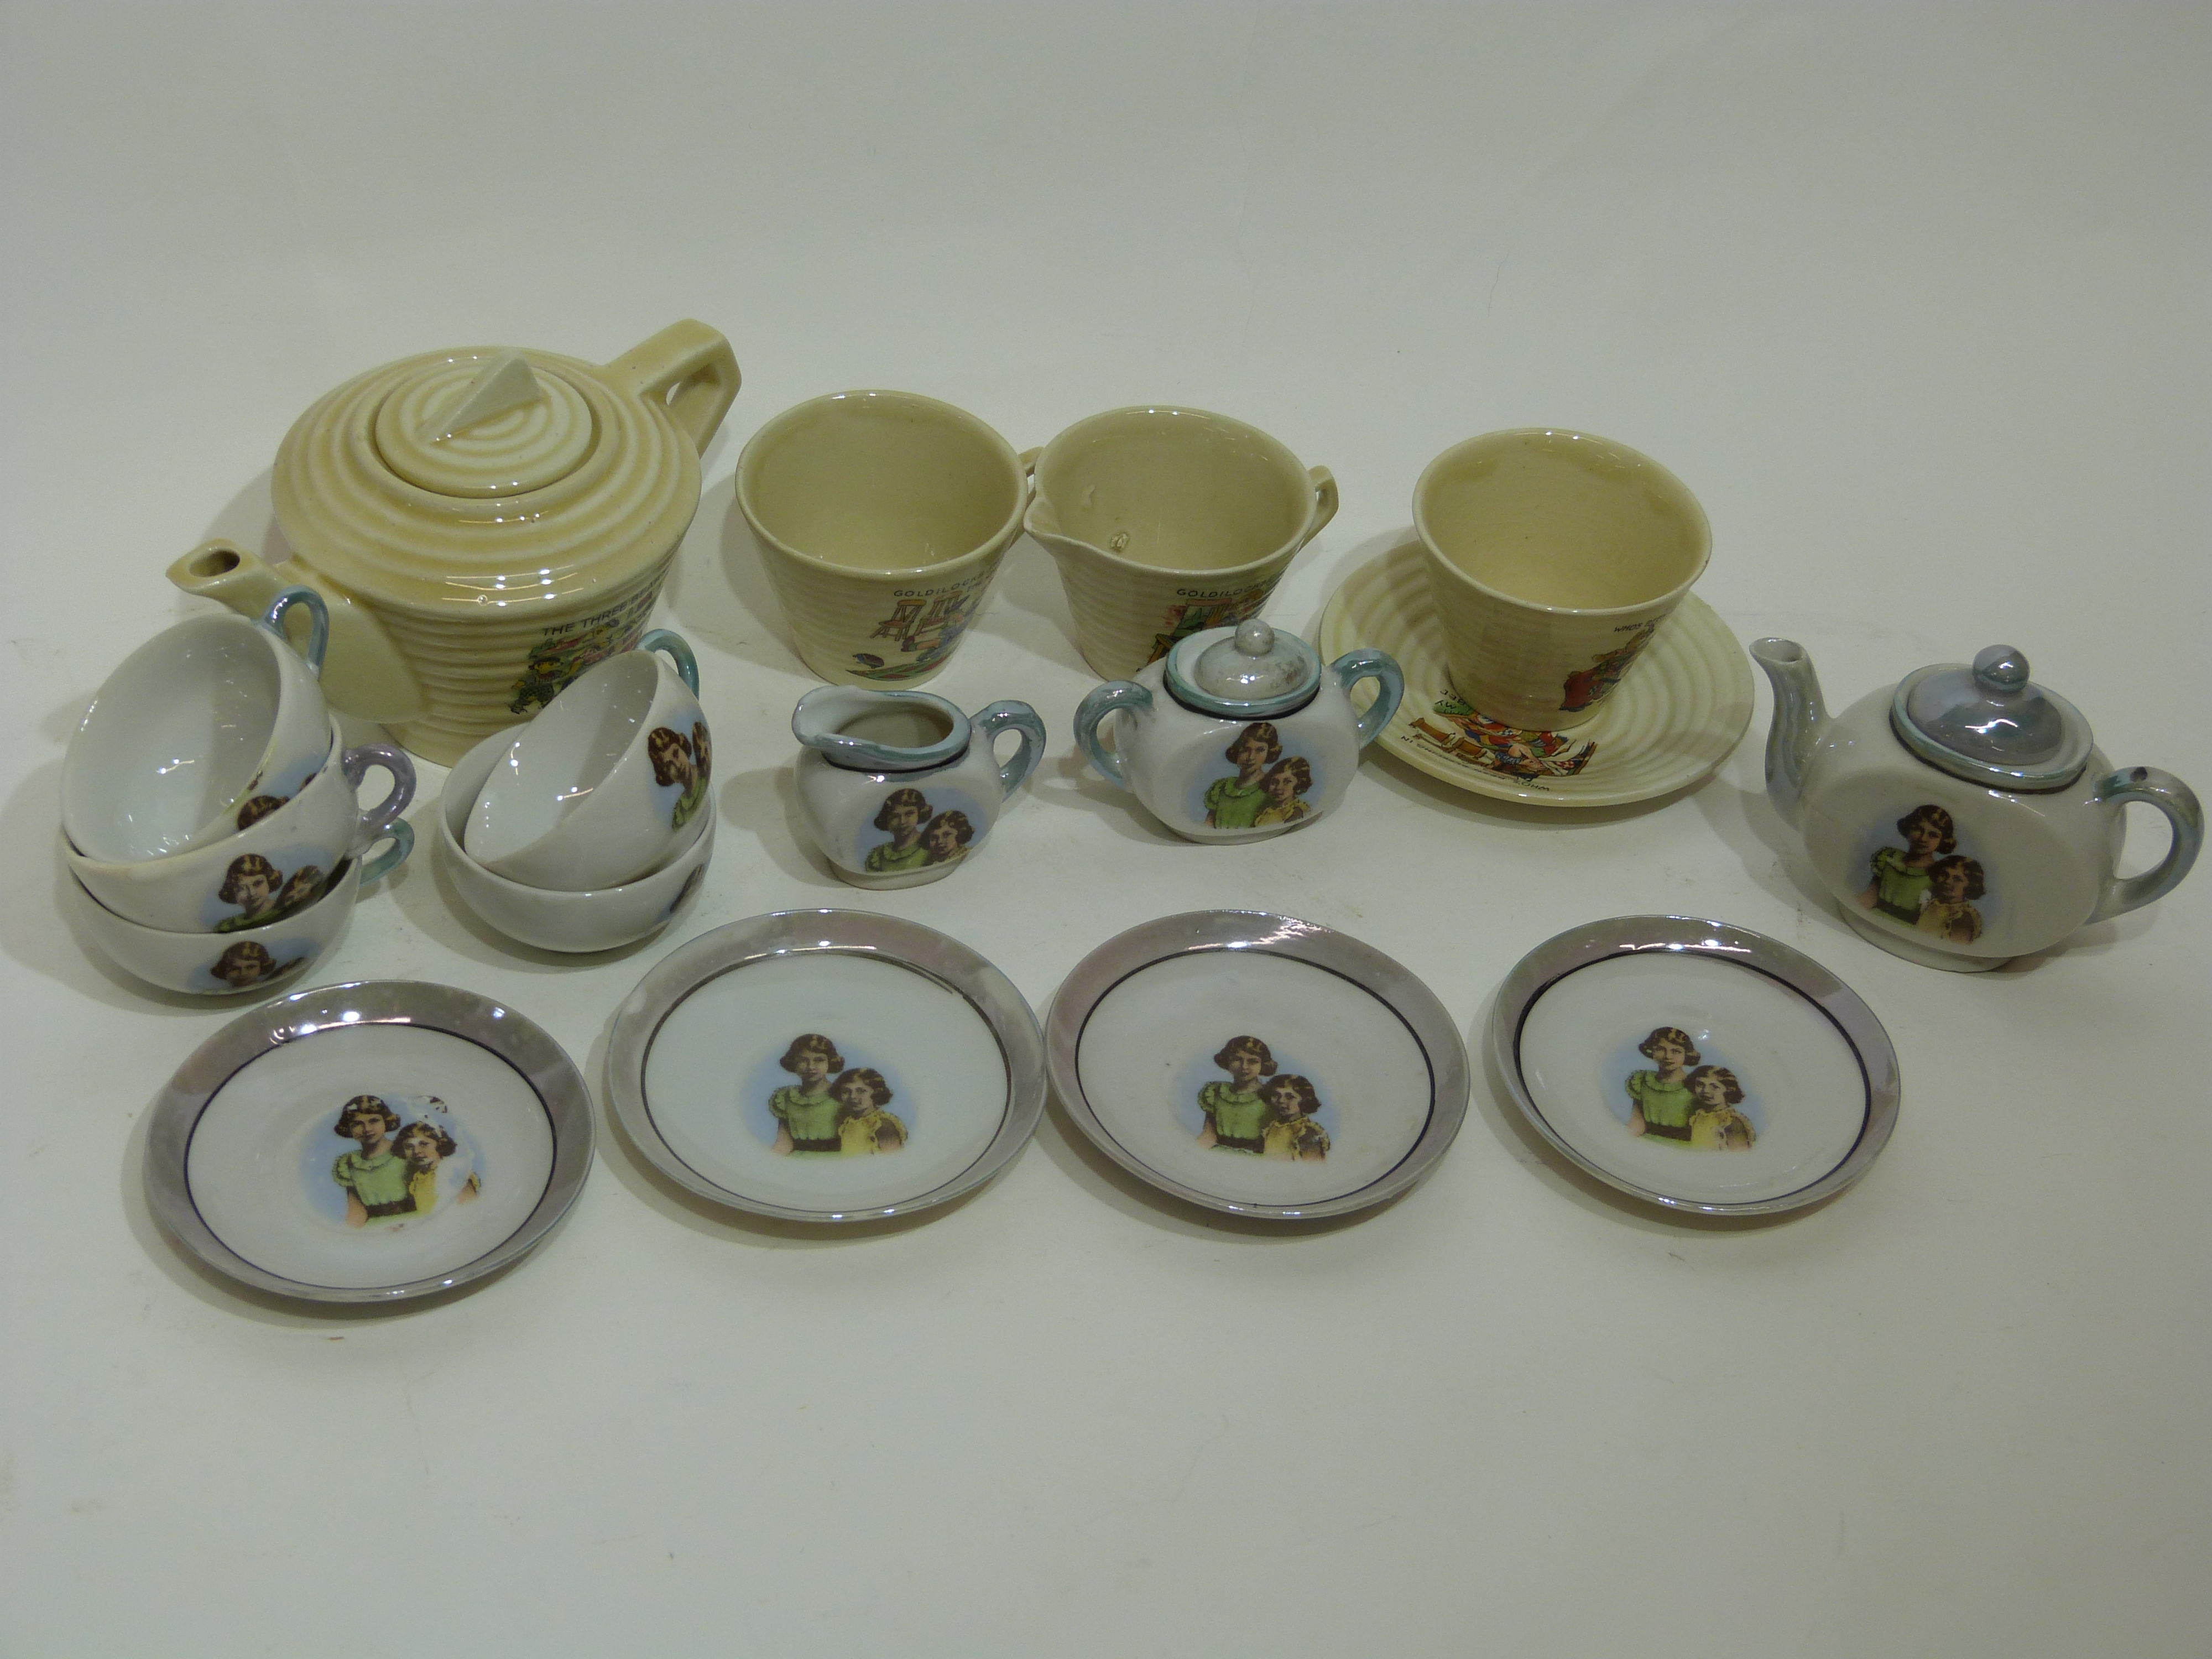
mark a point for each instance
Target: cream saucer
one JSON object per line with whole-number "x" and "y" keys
{"x": 1672, "y": 722}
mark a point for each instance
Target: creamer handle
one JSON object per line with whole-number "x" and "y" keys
{"x": 689, "y": 369}
{"x": 2178, "y": 802}
{"x": 1011, "y": 717}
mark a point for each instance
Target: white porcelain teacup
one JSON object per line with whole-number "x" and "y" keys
{"x": 278, "y": 859}
{"x": 608, "y": 783}
{"x": 254, "y": 959}
{"x": 599, "y": 919}
{"x": 1166, "y": 522}
{"x": 195, "y": 722}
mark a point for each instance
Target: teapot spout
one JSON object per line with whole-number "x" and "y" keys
{"x": 366, "y": 674}
{"x": 1799, "y": 714}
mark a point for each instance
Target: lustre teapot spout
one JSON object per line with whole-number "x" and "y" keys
{"x": 1964, "y": 816}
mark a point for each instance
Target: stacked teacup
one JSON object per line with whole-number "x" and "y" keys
{"x": 589, "y": 826}
{"x": 211, "y": 818}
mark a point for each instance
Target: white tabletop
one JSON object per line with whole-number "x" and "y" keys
{"x": 1915, "y": 301}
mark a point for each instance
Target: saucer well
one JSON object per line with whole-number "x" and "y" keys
{"x": 1696, "y": 1065}
{"x": 369, "y": 1143}
{"x": 1673, "y": 720}
{"x": 1257, "y": 1064}
{"x": 826, "y": 1065}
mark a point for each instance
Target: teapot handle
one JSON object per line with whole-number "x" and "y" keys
{"x": 1011, "y": 717}
{"x": 689, "y": 370}
{"x": 2172, "y": 797}
{"x": 1103, "y": 700}
{"x": 1368, "y": 664}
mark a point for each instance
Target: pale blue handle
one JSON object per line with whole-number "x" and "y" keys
{"x": 2178, "y": 802}
{"x": 1368, "y": 664}
{"x": 401, "y": 834}
{"x": 687, "y": 665}
{"x": 318, "y": 623}
{"x": 1011, "y": 717}
{"x": 1103, "y": 700}
{"x": 378, "y": 818}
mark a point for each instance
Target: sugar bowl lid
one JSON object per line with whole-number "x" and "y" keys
{"x": 1247, "y": 671}
{"x": 1990, "y": 723}
{"x": 491, "y": 476}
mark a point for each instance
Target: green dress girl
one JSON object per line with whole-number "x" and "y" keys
{"x": 1660, "y": 1101}
{"x": 1236, "y": 1111}
{"x": 1236, "y": 803}
{"x": 806, "y": 1112}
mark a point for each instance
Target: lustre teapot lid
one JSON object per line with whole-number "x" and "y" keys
{"x": 494, "y": 475}
{"x": 1246, "y": 673}
{"x": 1988, "y": 723}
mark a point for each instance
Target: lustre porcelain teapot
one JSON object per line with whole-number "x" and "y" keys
{"x": 1965, "y": 817}
{"x": 1239, "y": 734}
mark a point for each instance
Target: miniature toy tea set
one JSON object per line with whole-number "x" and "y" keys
{"x": 479, "y": 537}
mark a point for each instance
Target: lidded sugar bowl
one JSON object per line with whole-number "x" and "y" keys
{"x": 484, "y": 523}
{"x": 1239, "y": 734}
{"x": 1965, "y": 815}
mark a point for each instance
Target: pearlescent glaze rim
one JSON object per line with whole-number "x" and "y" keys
{"x": 540, "y": 1062}
{"x": 1668, "y": 724}
{"x": 785, "y": 933}
{"x": 1634, "y": 936}
{"x": 1231, "y": 933}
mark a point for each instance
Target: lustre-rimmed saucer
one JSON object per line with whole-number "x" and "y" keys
{"x": 1696, "y": 1064}
{"x": 1668, "y": 724}
{"x": 1257, "y": 1064}
{"x": 369, "y": 1143}
{"x": 827, "y": 1065}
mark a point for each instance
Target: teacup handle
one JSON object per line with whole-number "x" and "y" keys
{"x": 1103, "y": 700}
{"x": 318, "y": 623}
{"x": 670, "y": 644}
{"x": 2178, "y": 802}
{"x": 1368, "y": 664}
{"x": 1011, "y": 717}
{"x": 401, "y": 834}
{"x": 358, "y": 763}
{"x": 1324, "y": 483}
{"x": 689, "y": 370}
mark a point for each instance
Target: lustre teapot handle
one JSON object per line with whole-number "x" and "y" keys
{"x": 1368, "y": 664}
{"x": 1017, "y": 717}
{"x": 1103, "y": 700}
{"x": 688, "y": 369}
{"x": 671, "y": 645}
{"x": 2172, "y": 797}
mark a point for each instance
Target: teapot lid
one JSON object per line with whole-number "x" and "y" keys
{"x": 494, "y": 476}
{"x": 1990, "y": 724}
{"x": 1247, "y": 671}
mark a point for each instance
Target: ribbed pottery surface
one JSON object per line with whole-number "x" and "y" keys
{"x": 1127, "y": 615}
{"x": 623, "y": 486}
{"x": 1679, "y": 713}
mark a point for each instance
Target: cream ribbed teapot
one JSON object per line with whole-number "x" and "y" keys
{"x": 484, "y": 523}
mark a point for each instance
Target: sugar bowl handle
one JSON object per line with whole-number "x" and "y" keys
{"x": 1103, "y": 700}
{"x": 1017, "y": 717}
{"x": 2178, "y": 802}
{"x": 1368, "y": 664}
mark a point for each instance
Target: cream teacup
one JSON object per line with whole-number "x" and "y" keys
{"x": 1554, "y": 557}
{"x": 1167, "y": 522}
{"x": 277, "y": 861}
{"x": 608, "y": 783}
{"x": 881, "y": 517}
{"x": 254, "y": 959}
{"x": 195, "y": 722}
